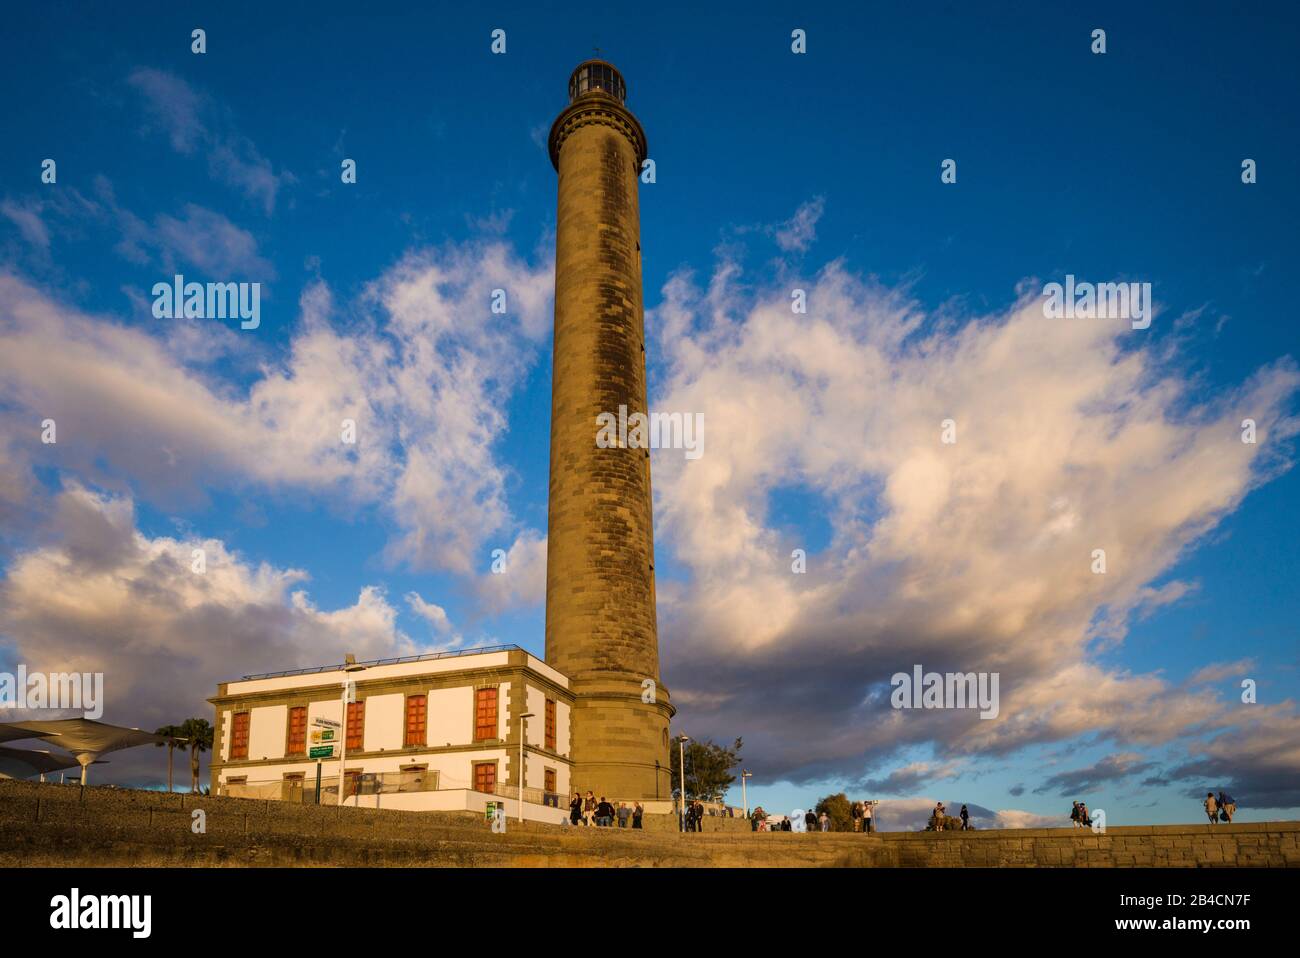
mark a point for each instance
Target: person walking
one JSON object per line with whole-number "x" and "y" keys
{"x": 965, "y": 819}
{"x": 699, "y": 815}
{"x": 1074, "y": 815}
{"x": 855, "y": 813}
{"x": 868, "y": 817}
{"x": 575, "y": 808}
{"x": 589, "y": 809}
{"x": 624, "y": 813}
{"x": 810, "y": 821}
{"x": 637, "y": 812}
{"x": 1227, "y": 807}
{"x": 604, "y": 813}
{"x": 1211, "y": 807}
{"x": 825, "y": 821}
{"x": 1085, "y": 819}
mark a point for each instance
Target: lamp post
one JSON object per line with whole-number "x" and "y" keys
{"x": 349, "y": 696}
{"x": 681, "y": 761}
{"x": 523, "y": 719}
{"x": 744, "y": 795}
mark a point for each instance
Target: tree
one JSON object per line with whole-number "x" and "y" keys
{"x": 198, "y": 735}
{"x": 838, "y": 808}
{"x": 172, "y": 733}
{"x": 708, "y": 769}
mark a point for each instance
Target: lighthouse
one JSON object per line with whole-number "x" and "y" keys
{"x": 600, "y": 578}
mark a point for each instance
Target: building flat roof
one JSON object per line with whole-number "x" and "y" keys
{"x": 400, "y": 660}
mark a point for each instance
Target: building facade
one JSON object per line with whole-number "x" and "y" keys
{"x": 421, "y": 725}
{"x": 601, "y": 628}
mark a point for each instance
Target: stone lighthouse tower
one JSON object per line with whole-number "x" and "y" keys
{"x": 600, "y": 580}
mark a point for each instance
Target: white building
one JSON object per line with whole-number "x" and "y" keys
{"x": 429, "y": 732}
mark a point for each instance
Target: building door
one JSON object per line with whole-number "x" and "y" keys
{"x": 291, "y": 790}
{"x": 549, "y": 795}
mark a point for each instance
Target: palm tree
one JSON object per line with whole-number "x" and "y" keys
{"x": 198, "y": 735}
{"x": 174, "y": 739}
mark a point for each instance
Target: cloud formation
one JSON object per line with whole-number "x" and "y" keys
{"x": 976, "y": 555}
{"x": 423, "y": 370}
{"x": 99, "y": 596}
{"x": 193, "y": 122}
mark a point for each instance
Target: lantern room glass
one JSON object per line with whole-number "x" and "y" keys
{"x": 597, "y": 77}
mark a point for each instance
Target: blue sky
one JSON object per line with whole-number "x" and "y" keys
{"x": 774, "y": 171}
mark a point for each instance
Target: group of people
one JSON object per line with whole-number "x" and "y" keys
{"x": 1220, "y": 809}
{"x": 694, "y": 817}
{"x": 761, "y": 821}
{"x": 939, "y": 818}
{"x": 1080, "y": 817}
{"x": 862, "y": 814}
{"x": 585, "y": 810}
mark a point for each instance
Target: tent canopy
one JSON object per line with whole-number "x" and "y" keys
{"x": 13, "y": 732}
{"x": 22, "y": 763}
{"x": 84, "y": 738}
{"x": 79, "y": 735}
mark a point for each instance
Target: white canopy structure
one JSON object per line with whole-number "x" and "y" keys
{"x": 12, "y": 733}
{"x": 21, "y": 763}
{"x": 84, "y": 738}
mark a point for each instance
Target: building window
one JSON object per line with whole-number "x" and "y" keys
{"x": 550, "y": 724}
{"x": 239, "y": 736}
{"x": 297, "y": 731}
{"x": 417, "y": 717}
{"x": 548, "y": 779}
{"x": 414, "y": 778}
{"x": 485, "y": 776}
{"x": 485, "y": 714}
{"x": 356, "y": 732}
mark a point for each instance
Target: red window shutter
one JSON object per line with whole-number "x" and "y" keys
{"x": 550, "y": 724}
{"x": 297, "y": 731}
{"x": 417, "y": 711}
{"x": 356, "y": 732}
{"x": 239, "y": 735}
{"x": 485, "y": 714}
{"x": 485, "y": 777}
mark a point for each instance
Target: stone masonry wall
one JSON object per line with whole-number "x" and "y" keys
{"x": 53, "y": 825}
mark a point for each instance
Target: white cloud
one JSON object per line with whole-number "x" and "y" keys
{"x": 522, "y": 580}
{"x": 797, "y": 234}
{"x": 1015, "y": 818}
{"x": 210, "y": 242}
{"x": 434, "y": 614}
{"x": 422, "y": 367}
{"x": 100, "y": 596}
{"x": 1072, "y": 436}
{"x": 28, "y": 220}
{"x": 193, "y": 122}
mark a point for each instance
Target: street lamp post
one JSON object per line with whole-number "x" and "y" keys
{"x": 681, "y": 761}
{"x": 744, "y": 795}
{"x": 523, "y": 719}
{"x": 349, "y": 696}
